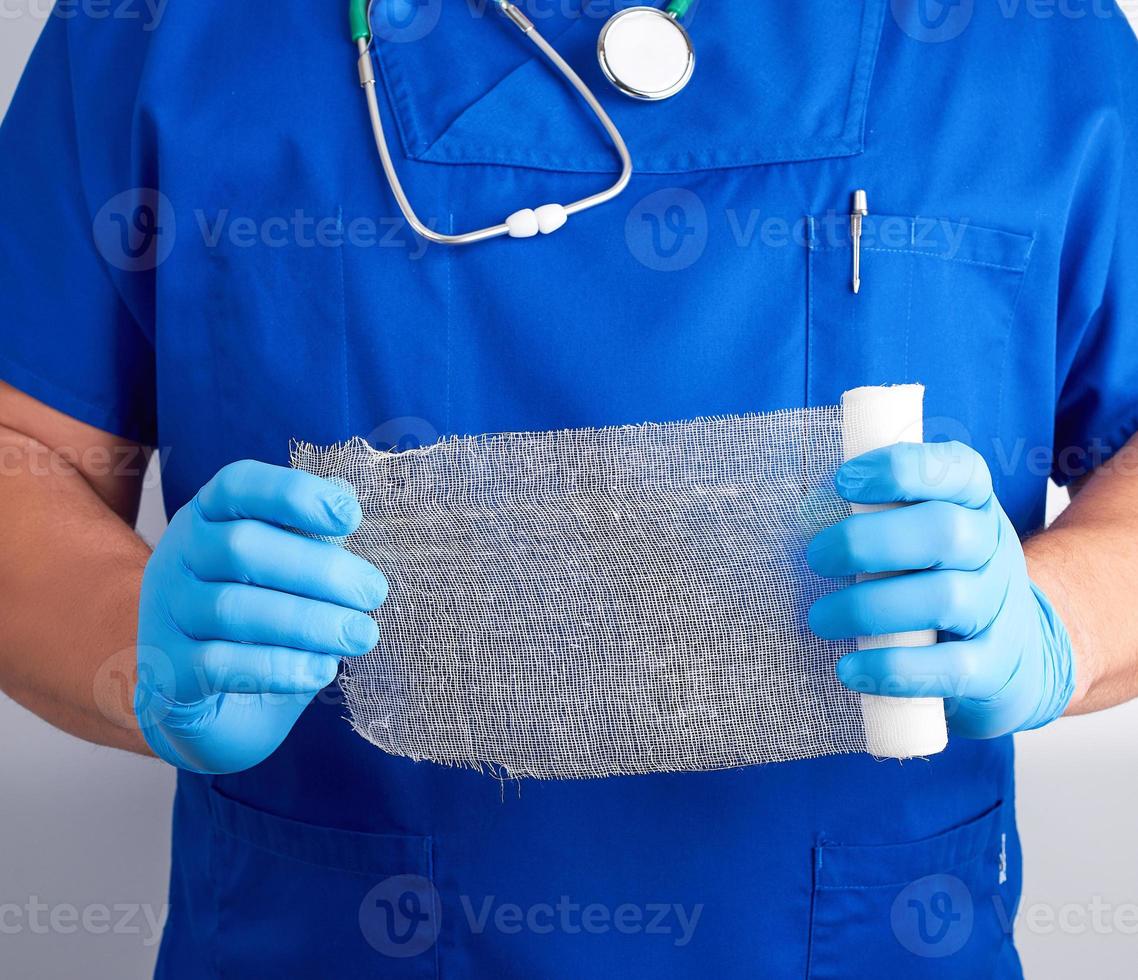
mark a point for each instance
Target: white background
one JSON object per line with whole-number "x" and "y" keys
{"x": 87, "y": 827}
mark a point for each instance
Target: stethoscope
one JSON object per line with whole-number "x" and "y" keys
{"x": 644, "y": 51}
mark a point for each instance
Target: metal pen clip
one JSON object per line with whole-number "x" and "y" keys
{"x": 858, "y": 210}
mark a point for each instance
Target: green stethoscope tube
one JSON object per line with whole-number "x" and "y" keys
{"x": 679, "y": 8}
{"x": 357, "y": 20}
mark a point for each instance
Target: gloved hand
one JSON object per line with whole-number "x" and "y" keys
{"x": 1004, "y": 660}
{"x": 242, "y": 621}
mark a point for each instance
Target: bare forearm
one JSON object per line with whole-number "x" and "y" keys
{"x": 1087, "y": 564}
{"x": 70, "y": 570}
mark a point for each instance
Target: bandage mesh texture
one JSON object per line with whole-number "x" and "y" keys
{"x": 596, "y": 602}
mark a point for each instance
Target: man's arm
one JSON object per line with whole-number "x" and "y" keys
{"x": 70, "y": 570}
{"x": 205, "y": 652}
{"x": 1087, "y": 563}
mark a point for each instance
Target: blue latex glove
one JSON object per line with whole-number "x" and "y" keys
{"x": 1004, "y": 660}
{"x": 242, "y": 621}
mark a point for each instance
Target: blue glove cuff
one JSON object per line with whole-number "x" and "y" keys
{"x": 1058, "y": 668}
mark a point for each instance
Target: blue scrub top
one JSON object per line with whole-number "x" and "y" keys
{"x": 199, "y": 253}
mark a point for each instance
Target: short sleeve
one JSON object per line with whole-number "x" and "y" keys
{"x": 76, "y": 327}
{"x": 1097, "y": 410}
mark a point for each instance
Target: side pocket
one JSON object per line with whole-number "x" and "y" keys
{"x": 938, "y": 907}
{"x": 298, "y": 900}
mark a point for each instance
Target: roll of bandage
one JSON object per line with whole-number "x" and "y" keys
{"x": 895, "y": 728}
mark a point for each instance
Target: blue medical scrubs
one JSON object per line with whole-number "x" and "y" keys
{"x": 199, "y": 253}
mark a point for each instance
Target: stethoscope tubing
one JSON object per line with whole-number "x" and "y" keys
{"x": 368, "y": 83}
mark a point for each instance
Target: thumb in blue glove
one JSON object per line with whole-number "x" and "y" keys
{"x": 1004, "y": 660}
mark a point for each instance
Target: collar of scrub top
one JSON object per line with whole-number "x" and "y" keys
{"x": 521, "y": 224}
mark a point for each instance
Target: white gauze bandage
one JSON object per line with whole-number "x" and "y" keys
{"x": 598, "y": 602}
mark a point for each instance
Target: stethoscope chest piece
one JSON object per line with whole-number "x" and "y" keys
{"x": 646, "y": 53}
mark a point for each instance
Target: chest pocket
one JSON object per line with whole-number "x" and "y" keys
{"x": 937, "y": 305}
{"x": 799, "y": 81}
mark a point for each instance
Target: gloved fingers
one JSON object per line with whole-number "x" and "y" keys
{"x": 252, "y": 668}
{"x": 964, "y": 603}
{"x": 933, "y": 534}
{"x": 255, "y": 553}
{"x": 954, "y": 669}
{"x": 279, "y": 495}
{"x": 912, "y": 471}
{"x": 248, "y": 614}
